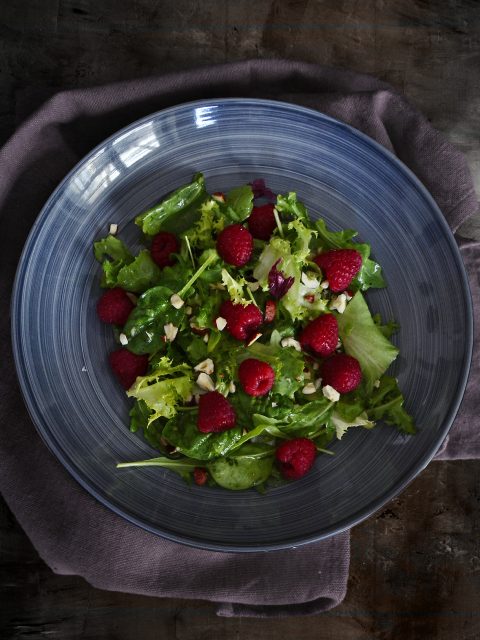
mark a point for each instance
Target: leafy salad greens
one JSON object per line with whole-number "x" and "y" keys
{"x": 176, "y": 324}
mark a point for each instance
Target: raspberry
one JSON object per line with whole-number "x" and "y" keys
{"x": 341, "y": 372}
{"x": 235, "y": 245}
{"x": 242, "y": 322}
{"x": 163, "y": 245}
{"x": 114, "y": 306}
{"x": 340, "y": 266}
{"x": 270, "y": 310}
{"x": 200, "y": 476}
{"x": 215, "y": 413}
{"x": 127, "y": 366}
{"x": 256, "y": 377}
{"x": 320, "y": 335}
{"x": 296, "y": 457}
{"x": 261, "y": 222}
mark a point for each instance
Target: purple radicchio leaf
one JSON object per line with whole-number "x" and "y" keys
{"x": 278, "y": 283}
{"x": 260, "y": 190}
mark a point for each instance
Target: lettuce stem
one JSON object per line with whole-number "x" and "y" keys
{"x": 197, "y": 274}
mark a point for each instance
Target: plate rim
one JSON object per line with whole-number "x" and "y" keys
{"x": 192, "y": 541}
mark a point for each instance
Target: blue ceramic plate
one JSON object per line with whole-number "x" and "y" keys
{"x": 61, "y": 348}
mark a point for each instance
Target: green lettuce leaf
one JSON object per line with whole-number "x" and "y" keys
{"x": 291, "y": 206}
{"x": 113, "y": 254}
{"x": 163, "y": 389}
{"x": 341, "y": 424}
{"x": 235, "y": 288}
{"x": 334, "y": 239}
{"x": 292, "y": 254}
{"x": 139, "y": 275}
{"x": 363, "y": 340}
{"x": 387, "y": 329}
{"x": 208, "y": 226}
{"x": 386, "y": 403}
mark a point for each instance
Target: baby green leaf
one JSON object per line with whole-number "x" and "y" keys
{"x": 178, "y": 203}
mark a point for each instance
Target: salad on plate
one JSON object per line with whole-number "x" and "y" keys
{"x": 244, "y": 337}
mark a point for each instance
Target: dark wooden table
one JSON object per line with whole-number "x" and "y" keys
{"x": 415, "y": 570}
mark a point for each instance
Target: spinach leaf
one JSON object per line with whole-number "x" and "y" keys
{"x": 182, "y": 432}
{"x": 245, "y": 406}
{"x": 251, "y": 465}
{"x": 208, "y": 310}
{"x": 299, "y": 421}
{"x": 178, "y": 203}
{"x": 170, "y": 277}
{"x": 145, "y": 325}
{"x": 239, "y": 204}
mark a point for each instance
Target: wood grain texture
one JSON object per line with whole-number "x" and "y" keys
{"x": 415, "y": 570}
{"x": 415, "y": 573}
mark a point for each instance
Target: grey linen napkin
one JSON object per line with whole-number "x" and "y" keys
{"x": 72, "y": 532}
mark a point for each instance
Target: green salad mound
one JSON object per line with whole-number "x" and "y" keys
{"x": 176, "y": 322}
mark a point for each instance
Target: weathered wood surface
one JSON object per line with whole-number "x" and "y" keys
{"x": 415, "y": 570}
{"x": 415, "y": 574}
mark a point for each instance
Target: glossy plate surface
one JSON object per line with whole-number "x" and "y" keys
{"x": 61, "y": 347}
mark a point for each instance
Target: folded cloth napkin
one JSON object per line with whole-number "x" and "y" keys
{"x": 72, "y": 532}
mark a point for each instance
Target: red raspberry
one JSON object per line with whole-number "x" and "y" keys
{"x": 340, "y": 266}
{"x": 242, "y": 322}
{"x": 127, "y": 366}
{"x": 114, "y": 306}
{"x": 235, "y": 245}
{"x": 296, "y": 457}
{"x": 270, "y": 310}
{"x": 261, "y": 222}
{"x": 341, "y": 372}
{"x": 163, "y": 245}
{"x": 320, "y": 335}
{"x": 200, "y": 476}
{"x": 256, "y": 377}
{"x": 215, "y": 413}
